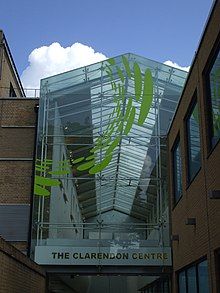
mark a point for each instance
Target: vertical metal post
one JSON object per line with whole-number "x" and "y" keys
{"x": 40, "y": 199}
{"x": 157, "y": 142}
{"x": 159, "y": 150}
{"x": 101, "y": 133}
{"x": 120, "y": 143}
{"x": 46, "y": 109}
{"x": 159, "y": 181}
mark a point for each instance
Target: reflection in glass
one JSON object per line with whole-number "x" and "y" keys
{"x": 191, "y": 280}
{"x": 194, "y": 279}
{"x": 214, "y": 79}
{"x": 93, "y": 113}
{"x": 182, "y": 282}
{"x": 166, "y": 286}
{"x": 203, "y": 277}
{"x": 194, "y": 159}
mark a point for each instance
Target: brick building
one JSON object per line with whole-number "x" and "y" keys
{"x": 10, "y": 84}
{"x": 18, "y": 273}
{"x": 194, "y": 157}
{"x": 17, "y": 139}
{"x": 194, "y": 184}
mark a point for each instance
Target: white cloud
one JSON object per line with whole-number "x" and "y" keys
{"x": 53, "y": 59}
{"x": 173, "y": 64}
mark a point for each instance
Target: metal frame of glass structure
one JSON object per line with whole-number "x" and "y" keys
{"x": 96, "y": 162}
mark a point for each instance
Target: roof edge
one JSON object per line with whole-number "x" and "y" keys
{"x": 8, "y": 52}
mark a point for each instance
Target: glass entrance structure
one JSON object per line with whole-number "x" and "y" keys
{"x": 100, "y": 192}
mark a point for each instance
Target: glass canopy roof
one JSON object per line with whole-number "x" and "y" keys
{"x": 102, "y": 132}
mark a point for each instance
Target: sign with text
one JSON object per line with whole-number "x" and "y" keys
{"x": 150, "y": 256}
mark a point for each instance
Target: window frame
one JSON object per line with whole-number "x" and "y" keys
{"x": 189, "y": 112}
{"x": 207, "y": 96}
{"x": 185, "y": 270}
{"x": 217, "y": 267}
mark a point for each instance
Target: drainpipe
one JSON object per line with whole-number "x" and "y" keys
{"x": 36, "y": 108}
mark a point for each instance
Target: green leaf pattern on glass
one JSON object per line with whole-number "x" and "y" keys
{"x": 127, "y": 66}
{"x": 146, "y": 99}
{"x": 123, "y": 115}
{"x": 43, "y": 180}
{"x": 120, "y": 122}
{"x": 130, "y": 121}
{"x": 102, "y": 165}
{"x": 137, "y": 81}
{"x": 86, "y": 166}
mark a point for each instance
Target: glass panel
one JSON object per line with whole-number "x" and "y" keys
{"x": 191, "y": 280}
{"x": 166, "y": 286}
{"x": 214, "y": 78}
{"x": 193, "y": 143}
{"x": 182, "y": 282}
{"x": 101, "y": 152}
{"x": 203, "y": 277}
{"x": 177, "y": 172}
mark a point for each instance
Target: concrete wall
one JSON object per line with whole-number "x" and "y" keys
{"x": 203, "y": 239}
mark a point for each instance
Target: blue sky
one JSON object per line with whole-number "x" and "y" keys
{"x": 158, "y": 29}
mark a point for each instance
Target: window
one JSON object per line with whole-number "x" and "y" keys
{"x": 194, "y": 279}
{"x": 182, "y": 282}
{"x": 193, "y": 142}
{"x": 217, "y": 269}
{"x": 191, "y": 280}
{"x": 214, "y": 100}
{"x": 177, "y": 171}
{"x": 203, "y": 277}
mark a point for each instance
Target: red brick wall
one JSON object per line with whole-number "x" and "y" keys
{"x": 7, "y": 73}
{"x": 17, "y": 138}
{"x": 18, "y": 273}
{"x": 18, "y": 111}
{"x": 204, "y": 238}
